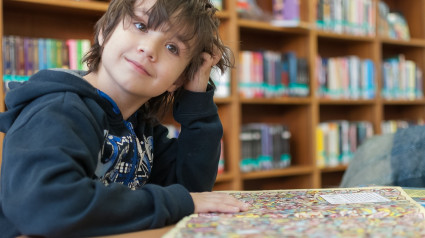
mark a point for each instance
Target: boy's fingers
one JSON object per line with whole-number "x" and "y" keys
{"x": 217, "y": 202}
{"x": 216, "y": 55}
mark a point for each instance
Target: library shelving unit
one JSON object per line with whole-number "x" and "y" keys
{"x": 64, "y": 19}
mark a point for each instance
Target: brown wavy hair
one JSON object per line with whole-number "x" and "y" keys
{"x": 195, "y": 18}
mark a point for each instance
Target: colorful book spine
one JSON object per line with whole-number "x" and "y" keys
{"x": 286, "y": 13}
{"x": 42, "y": 54}
{"x": 72, "y": 49}
{"x": 355, "y": 17}
{"x": 264, "y": 147}
{"x": 24, "y": 56}
{"x": 401, "y": 79}
{"x": 221, "y": 161}
{"x": 221, "y": 81}
{"x": 337, "y": 141}
{"x": 266, "y": 74}
{"x": 218, "y": 4}
{"x": 346, "y": 78}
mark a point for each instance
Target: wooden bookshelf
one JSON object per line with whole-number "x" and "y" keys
{"x": 65, "y": 19}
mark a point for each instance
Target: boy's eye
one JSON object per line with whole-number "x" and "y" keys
{"x": 173, "y": 49}
{"x": 141, "y": 26}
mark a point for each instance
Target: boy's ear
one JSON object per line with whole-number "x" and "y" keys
{"x": 100, "y": 37}
{"x": 177, "y": 84}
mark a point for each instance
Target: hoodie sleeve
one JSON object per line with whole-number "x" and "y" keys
{"x": 47, "y": 186}
{"x": 192, "y": 159}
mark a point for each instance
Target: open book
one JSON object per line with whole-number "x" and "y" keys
{"x": 341, "y": 212}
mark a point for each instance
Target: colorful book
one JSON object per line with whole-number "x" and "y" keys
{"x": 339, "y": 212}
{"x": 72, "y": 51}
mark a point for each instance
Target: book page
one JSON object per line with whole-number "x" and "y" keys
{"x": 354, "y": 198}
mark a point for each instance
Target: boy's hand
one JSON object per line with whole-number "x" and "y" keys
{"x": 200, "y": 81}
{"x": 217, "y": 202}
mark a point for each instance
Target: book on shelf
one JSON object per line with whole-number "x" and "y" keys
{"x": 24, "y": 56}
{"x": 248, "y": 9}
{"x": 286, "y": 13}
{"x": 218, "y": 4}
{"x": 380, "y": 211}
{"x": 356, "y": 17}
{"x": 264, "y": 146}
{"x": 392, "y": 126}
{"x": 221, "y": 161}
{"x": 392, "y": 24}
{"x": 337, "y": 141}
{"x": 401, "y": 79}
{"x": 221, "y": 81}
{"x": 346, "y": 78}
{"x": 268, "y": 74}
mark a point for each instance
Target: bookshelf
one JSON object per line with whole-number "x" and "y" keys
{"x": 75, "y": 19}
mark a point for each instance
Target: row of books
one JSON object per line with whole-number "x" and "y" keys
{"x": 217, "y": 3}
{"x": 392, "y": 126}
{"x": 346, "y": 78}
{"x": 355, "y": 17}
{"x": 401, "y": 79}
{"x": 266, "y": 74}
{"x": 264, "y": 146}
{"x": 23, "y": 56}
{"x": 336, "y": 141}
{"x": 174, "y": 131}
{"x": 391, "y": 24}
{"x": 221, "y": 81}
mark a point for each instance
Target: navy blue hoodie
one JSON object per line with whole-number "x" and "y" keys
{"x": 73, "y": 167}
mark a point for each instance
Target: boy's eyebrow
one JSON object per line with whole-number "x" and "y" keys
{"x": 185, "y": 42}
{"x": 141, "y": 12}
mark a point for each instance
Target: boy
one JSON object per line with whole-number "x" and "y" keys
{"x": 84, "y": 154}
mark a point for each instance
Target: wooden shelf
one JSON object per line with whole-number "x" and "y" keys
{"x": 339, "y": 168}
{"x": 346, "y": 101}
{"x": 283, "y": 100}
{"x": 411, "y": 43}
{"x": 344, "y": 37}
{"x": 303, "y": 27}
{"x": 404, "y": 102}
{"x": 290, "y": 171}
{"x": 88, "y": 7}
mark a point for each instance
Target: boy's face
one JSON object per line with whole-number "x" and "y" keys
{"x": 140, "y": 62}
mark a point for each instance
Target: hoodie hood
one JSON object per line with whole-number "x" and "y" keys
{"x": 42, "y": 83}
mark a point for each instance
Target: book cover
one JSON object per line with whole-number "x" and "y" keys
{"x": 218, "y": 4}
{"x": 320, "y": 148}
{"x": 58, "y": 54}
{"x": 7, "y": 57}
{"x": 28, "y": 56}
{"x": 290, "y": 59}
{"x": 72, "y": 52}
{"x": 221, "y": 81}
{"x": 64, "y": 61}
{"x": 19, "y": 56}
{"x": 221, "y": 161}
{"x": 85, "y": 47}
{"x": 36, "y": 66}
{"x": 79, "y": 54}
{"x": 42, "y": 54}
{"x": 49, "y": 54}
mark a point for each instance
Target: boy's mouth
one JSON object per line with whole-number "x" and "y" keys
{"x": 139, "y": 67}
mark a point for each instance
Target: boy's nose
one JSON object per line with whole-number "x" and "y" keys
{"x": 149, "y": 48}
